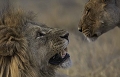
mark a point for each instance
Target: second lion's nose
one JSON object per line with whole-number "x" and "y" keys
{"x": 65, "y": 36}
{"x": 80, "y": 29}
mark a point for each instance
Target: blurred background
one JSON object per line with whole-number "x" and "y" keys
{"x": 96, "y": 59}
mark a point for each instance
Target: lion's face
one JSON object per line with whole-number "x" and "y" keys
{"x": 98, "y": 18}
{"x": 49, "y": 45}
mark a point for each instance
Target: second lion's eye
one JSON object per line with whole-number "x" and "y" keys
{"x": 40, "y": 34}
{"x": 87, "y": 11}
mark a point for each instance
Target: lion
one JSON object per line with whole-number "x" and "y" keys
{"x": 29, "y": 48}
{"x": 99, "y": 17}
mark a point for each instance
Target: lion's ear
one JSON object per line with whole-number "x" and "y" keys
{"x": 101, "y": 1}
{"x": 108, "y": 1}
{"x": 98, "y": 1}
{"x": 10, "y": 41}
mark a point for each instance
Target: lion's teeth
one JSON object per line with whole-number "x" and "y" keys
{"x": 63, "y": 54}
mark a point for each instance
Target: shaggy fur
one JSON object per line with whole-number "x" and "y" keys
{"x": 99, "y": 17}
{"x": 26, "y": 46}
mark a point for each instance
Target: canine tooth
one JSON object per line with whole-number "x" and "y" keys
{"x": 61, "y": 53}
{"x": 63, "y": 56}
{"x": 64, "y": 53}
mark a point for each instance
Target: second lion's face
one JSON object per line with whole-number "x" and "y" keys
{"x": 98, "y": 18}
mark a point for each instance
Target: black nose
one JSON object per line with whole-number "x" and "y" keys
{"x": 65, "y": 36}
{"x": 80, "y": 30}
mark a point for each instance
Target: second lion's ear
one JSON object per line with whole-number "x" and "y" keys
{"x": 109, "y": 1}
{"x": 98, "y": 1}
{"x": 101, "y": 1}
{"x": 104, "y": 1}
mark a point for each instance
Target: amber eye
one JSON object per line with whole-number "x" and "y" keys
{"x": 40, "y": 34}
{"x": 87, "y": 10}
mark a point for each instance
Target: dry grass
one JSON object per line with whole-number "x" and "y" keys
{"x": 97, "y": 59}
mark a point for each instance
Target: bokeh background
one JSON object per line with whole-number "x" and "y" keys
{"x": 96, "y": 59}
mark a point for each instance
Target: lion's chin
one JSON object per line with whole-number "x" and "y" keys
{"x": 91, "y": 39}
{"x": 59, "y": 58}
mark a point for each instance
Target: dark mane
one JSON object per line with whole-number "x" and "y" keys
{"x": 14, "y": 59}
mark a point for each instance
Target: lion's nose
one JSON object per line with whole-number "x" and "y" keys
{"x": 80, "y": 29}
{"x": 65, "y": 36}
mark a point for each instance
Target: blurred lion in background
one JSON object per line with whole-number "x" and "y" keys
{"x": 30, "y": 49}
{"x": 99, "y": 17}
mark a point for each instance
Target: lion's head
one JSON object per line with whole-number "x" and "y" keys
{"x": 30, "y": 49}
{"x": 99, "y": 17}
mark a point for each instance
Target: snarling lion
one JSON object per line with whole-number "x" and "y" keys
{"x": 29, "y": 48}
{"x": 99, "y": 17}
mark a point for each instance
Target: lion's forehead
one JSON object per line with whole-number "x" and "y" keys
{"x": 34, "y": 27}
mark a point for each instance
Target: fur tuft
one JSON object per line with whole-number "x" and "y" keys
{"x": 14, "y": 60}
{"x": 15, "y": 17}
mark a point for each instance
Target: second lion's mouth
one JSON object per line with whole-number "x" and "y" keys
{"x": 59, "y": 58}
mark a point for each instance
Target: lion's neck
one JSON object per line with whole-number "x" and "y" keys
{"x": 47, "y": 71}
{"x": 117, "y": 3}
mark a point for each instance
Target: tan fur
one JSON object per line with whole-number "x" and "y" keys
{"x": 22, "y": 54}
{"x": 99, "y": 17}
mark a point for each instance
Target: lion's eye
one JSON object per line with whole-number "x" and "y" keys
{"x": 87, "y": 11}
{"x": 40, "y": 34}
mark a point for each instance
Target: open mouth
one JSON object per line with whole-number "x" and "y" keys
{"x": 59, "y": 58}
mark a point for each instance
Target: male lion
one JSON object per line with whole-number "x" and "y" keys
{"x": 30, "y": 49}
{"x": 99, "y": 17}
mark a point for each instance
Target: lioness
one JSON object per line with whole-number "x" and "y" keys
{"x": 99, "y": 17}
{"x": 30, "y": 49}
